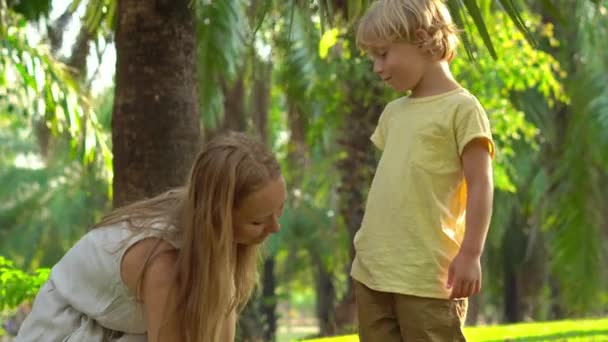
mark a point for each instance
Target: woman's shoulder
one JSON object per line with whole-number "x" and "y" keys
{"x": 157, "y": 256}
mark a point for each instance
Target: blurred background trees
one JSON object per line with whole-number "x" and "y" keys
{"x": 105, "y": 101}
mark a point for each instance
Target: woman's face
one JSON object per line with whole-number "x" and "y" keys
{"x": 258, "y": 214}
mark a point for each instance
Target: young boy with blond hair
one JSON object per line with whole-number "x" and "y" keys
{"x": 428, "y": 210}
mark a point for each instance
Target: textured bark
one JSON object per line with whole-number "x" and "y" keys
{"x": 234, "y": 105}
{"x": 261, "y": 103}
{"x": 269, "y": 300}
{"x": 261, "y": 98}
{"x": 80, "y": 52}
{"x": 258, "y": 322}
{"x": 155, "y": 122}
{"x": 325, "y": 296}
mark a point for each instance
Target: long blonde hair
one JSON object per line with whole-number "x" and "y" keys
{"x": 388, "y": 21}
{"x": 213, "y": 274}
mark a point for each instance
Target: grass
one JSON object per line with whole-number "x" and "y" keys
{"x": 572, "y": 330}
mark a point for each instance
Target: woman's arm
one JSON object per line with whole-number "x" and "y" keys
{"x": 229, "y": 330}
{"x": 155, "y": 288}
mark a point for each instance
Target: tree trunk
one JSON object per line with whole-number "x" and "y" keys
{"x": 261, "y": 98}
{"x": 258, "y": 322}
{"x": 234, "y": 105}
{"x": 511, "y": 295}
{"x": 556, "y": 309}
{"x": 513, "y": 249}
{"x": 473, "y": 310}
{"x": 80, "y": 52}
{"x": 261, "y": 103}
{"x": 155, "y": 122}
{"x": 300, "y": 160}
{"x": 326, "y": 296}
{"x": 269, "y": 300}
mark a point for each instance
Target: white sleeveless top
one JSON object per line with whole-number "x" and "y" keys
{"x": 85, "y": 299}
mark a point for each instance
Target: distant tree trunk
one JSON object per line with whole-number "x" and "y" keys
{"x": 473, "y": 310}
{"x": 258, "y": 322}
{"x": 155, "y": 122}
{"x": 77, "y": 67}
{"x": 299, "y": 158}
{"x": 326, "y": 295}
{"x": 261, "y": 98}
{"x": 269, "y": 300}
{"x": 511, "y": 295}
{"x": 261, "y": 103}
{"x": 80, "y": 52}
{"x": 56, "y": 29}
{"x": 513, "y": 249}
{"x": 234, "y": 105}
{"x": 556, "y": 309}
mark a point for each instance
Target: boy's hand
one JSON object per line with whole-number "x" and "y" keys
{"x": 464, "y": 275}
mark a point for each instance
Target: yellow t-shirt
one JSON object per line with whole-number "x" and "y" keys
{"x": 414, "y": 218}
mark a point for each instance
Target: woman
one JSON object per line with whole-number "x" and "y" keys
{"x": 176, "y": 267}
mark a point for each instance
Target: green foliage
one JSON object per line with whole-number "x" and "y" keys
{"x": 34, "y": 84}
{"x": 48, "y": 199}
{"x": 306, "y": 112}
{"x": 221, "y": 38}
{"x": 495, "y": 82}
{"x": 576, "y": 135}
{"x": 17, "y": 286}
{"x": 56, "y": 164}
{"x": 31, "y": 9}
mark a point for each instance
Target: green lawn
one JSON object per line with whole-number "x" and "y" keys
{"x": 575, "y": 330}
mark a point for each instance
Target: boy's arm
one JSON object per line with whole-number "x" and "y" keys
{"x": 464, "y": 277}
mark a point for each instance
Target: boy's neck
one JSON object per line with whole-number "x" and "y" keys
{"x": 437, "y": 80}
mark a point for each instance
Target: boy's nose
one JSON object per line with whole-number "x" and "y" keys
{"x": 378, "y": 69}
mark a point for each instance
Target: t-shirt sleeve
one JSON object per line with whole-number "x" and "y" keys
{"x": 472, "y": 123}
{"x": 380, "y": 133}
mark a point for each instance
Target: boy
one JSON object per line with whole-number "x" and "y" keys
{"x": 428, "y": 210}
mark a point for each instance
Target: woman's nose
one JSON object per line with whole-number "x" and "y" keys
{"x": 274, "y": 225}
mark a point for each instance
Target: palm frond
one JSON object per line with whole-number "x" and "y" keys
{"x": 221, "y": 33}
{"x": 44, "y": 90}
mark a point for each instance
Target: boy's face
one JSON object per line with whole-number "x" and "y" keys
{"x": 400, "y": 65}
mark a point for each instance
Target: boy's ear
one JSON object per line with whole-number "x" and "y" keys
{"x": 421, "y": 36}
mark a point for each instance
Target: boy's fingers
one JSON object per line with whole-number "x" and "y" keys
{"x": 450, "y": 278}
{"x": 472, "y": 288}
{"x": 466, "y": 290}
{"x": 457, "y": 289}
{"x": 454, "y": 291}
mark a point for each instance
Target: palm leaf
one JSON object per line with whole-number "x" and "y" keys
{"x": 514, "y": 14}
{"x": 220, "y": 39}
{"x": 42, "y": 77}
{"x": 460, "y": 21}
{"x": 473, "y": 9}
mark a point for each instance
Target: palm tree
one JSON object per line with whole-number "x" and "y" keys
{"x": 155, "y": 123}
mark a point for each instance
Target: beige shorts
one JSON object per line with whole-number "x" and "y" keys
{"x": 390, "y": 317}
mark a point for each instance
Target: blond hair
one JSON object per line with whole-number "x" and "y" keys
{"x": 388, "y": 21}
{"x": 214, "y": 274}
